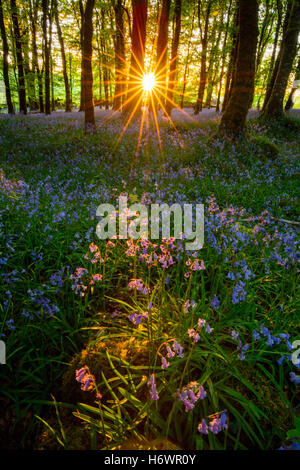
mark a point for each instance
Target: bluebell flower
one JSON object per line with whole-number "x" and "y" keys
{"x": 215, "y": 303}
{"x": 294, "y": 378}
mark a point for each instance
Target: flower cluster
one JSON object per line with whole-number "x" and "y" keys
{"x": 153, "y": 392}
{"x": 85, "y": 378}
{"x": 240, "y": 347}
{"x": 137, "y": 284}
{"x": 94, "y": 254}
{"x": 137, "y": 318}
{"x": 190, "y": 394}
{"x": 217, "y": 423}
{"x": 11, "y": 187}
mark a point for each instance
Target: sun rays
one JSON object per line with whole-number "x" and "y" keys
{"x": 146, "y": 92}
{"x": 148, "y": 81}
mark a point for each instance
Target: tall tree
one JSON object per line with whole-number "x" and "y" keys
{"x": 162, "y": 46}
{"x": 233, "y": 121}
{"x": 224, "y": 53}
{"x": 274, "y": 107}
{"x": 45, "y": 7}
{"x": 174, "y": 53}
{"x": 50, "y": 19}
{"x": 104, "y": 57}
{"x": 63, "y": 58}
{"x": 19, "y": 55}
{"x": 274, "y": 65}
{"x": 87, "y": 52}
{"x": 5, "y": 63}
{"x": 290, "y": 101}
{"x": 265, "y": 32}
{"x": 33, "y": 14}
{"x": 232, "y": 61}
{"x": 81, "y": 9}
{"x": 138, "y": 40}
{"x": 204, "y": 41}
{"x": 214, "y": 55}
{"x": 119, "y": 54}
{"x": 187, "y": 59}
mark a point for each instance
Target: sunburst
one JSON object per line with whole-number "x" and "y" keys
{"x": 149, "y": 82}
{"x": 146, "y": 91}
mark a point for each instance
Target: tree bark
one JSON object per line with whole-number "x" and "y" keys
{"x": 5, "y": 63}
{"x": 232, "y": 62}
{"x": 213, "y": 62}
{"x": 19, "y": 55}
{"x": 33, "y": 12}
{"x": 138, "y": 39}
{"x": 274, "y": 107}
{"x": 274, "y": 72}
{"x": 223, "y": 57}
{"x": 290, "y": 101}
{"x": 51, "y": 12}
{"x": 45, "y": 7}
{"x": 89, "y": 115}
{"x": 162, "y": 50}
{"x": 233, "y": 121}
{"x": 63, "y": 59}
{"x": 104, "y": 60}
{"x": 187, "y": 63}
{"x": 119, "y": 56}
{"x": 203, "y": 71}
{"x": 81, "y": 9}
{"x": 174, "y": 53}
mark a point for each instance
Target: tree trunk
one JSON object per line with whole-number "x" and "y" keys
{"x": 138, "y": 39}
{"x": 274, "y": 72}
{"x": 187, "y": 63}
{"x": 203, "y": 71}
{"x": 81, "y": 106}
{"x": 263, "y": 38}
{"x": 99, "y": 58}
{"x": 233, "y": 121}
{"x": 29, "y": 73}
{"x": 119, "y": 56}
{"x": 63, "y": 60}
{"x": 104, "y": 61}
{"x": 162, "y": 51}
{"x": 290, "y": 101}
{"x": 213, "y": 63}
{"x": 274, "y": 107}
{"x": 223, "y": 57}
{"x": 19, "y": 55}
{"x": 33, "y": 12}
{"x": 174, "y": 53}
{"x": 89, "y": 115}
{"x": 232, "y": 62}
{"x": 5, "y": 63}
{"x": 51, "y": 11}
{"x": 45, "y": 7}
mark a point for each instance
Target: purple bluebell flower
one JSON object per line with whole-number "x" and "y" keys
{"x": 153, "y": 392}
{"x": 294, "y": 378}
{"x": 215, "y": 303}
{"x": 202, "y": 427}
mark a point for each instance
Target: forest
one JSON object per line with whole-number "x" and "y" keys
{"x": 174, "y": 333}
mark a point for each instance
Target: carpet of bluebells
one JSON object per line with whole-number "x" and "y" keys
{"x": 139, "y": 343}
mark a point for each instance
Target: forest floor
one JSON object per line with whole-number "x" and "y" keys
{"x": 209, "y": 334}
{"x": 177, "y": 115}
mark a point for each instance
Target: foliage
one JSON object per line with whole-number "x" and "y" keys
{"x": 129, "y": 343}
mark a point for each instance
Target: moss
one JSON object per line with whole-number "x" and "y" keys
{"x": 94, "y": 356}
{"x": 267, "y": 149}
